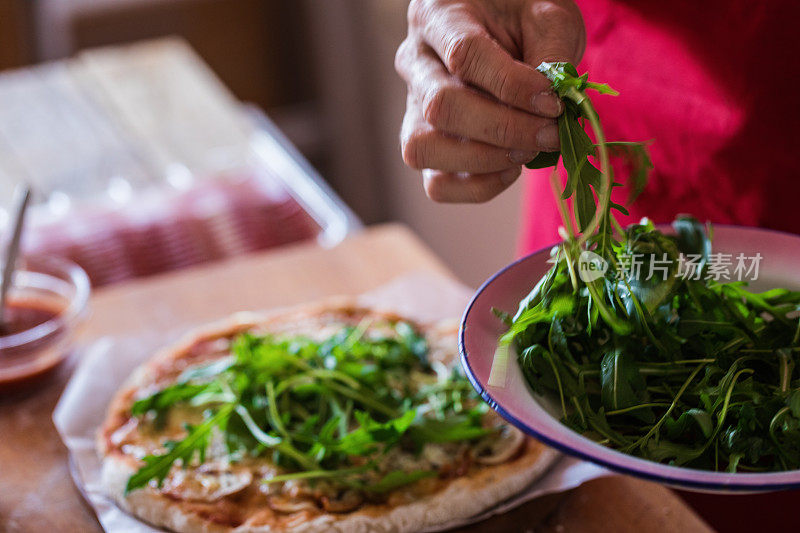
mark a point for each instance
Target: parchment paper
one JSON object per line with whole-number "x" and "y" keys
{"x": 108, "y": 362}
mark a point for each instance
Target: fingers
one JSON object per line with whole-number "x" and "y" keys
{"x": 475, "y": 113}
{"x": 459, "y": 111}
{"x": 471, "y": 54}
{"x": 449, "y": 187}
{"x": 425, "y": 147}
{"x": 487, "y": 122}
{"x": 553, "y": 31}
{"x": 467, "y": 171}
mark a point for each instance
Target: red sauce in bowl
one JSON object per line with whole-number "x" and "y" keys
{"x": 34, "y": 357}
{"x": 23, "y": 315}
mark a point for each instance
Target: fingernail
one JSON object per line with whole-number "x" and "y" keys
{"x": 547, "y": 104}
{"x": 547, "y": 138}
{"x": 510, "y": 176}
{"x": 521, "y": 157}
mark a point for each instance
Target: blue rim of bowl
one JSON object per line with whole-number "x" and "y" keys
{"x": 732, "y": 486}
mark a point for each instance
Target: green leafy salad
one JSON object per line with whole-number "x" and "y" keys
{"x": 362, "y": 410}
{"x": 678, "y": 367}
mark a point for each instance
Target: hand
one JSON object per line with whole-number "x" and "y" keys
{"x": 477, "y": 109}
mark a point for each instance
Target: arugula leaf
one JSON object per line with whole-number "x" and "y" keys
{"x": 620, "y": 381}
{"x": 638, "y": 159}
{"x": 318, "y": 409}
{"x": 692, "y": 238}
{"x": 564, "y": 77}
{"x": 793, "y": 402}
{"x": 454, "y": 428}
{"x": 684, "y": 370}
{"x": 544, "y": 160}
{"x": 158, "y": 466}
{"x": 206, "y": 372}
{"x": 706, "y": 378}
{"x": 576, "y": 147}
{"x": 583, "y": 178}
{"x": 697, "y": 418}
{"x": 370, "y": 434}
{"x": 167, "y": 397}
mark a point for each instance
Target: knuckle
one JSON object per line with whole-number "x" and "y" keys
{"x": 504, "y": 131}
{"x": 437, "y": 107}
{"x": 507, "y": 89}
{"x": 401, "y": 57}
{"x": 461, "y": 54}
{"x": 418, "y": 12}
{"x": 562, "y": 24}
{"x": 553, "y": 16}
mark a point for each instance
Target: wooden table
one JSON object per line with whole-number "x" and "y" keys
{"x": 36, "y": 491}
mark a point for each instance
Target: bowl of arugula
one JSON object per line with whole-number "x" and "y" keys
{"x": 677, "y": 371}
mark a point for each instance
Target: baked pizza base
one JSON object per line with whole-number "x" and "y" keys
{"x": 451, "y": 500}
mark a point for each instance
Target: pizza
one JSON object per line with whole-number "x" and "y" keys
{"x": 335, "y": 417}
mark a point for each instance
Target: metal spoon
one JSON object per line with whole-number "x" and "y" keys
{"x": 22, "y": 197}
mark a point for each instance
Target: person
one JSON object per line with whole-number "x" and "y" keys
{"x": 710, "y": 83}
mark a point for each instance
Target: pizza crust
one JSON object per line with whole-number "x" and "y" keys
{"x": 460, "y": 499}
{"x": 463, "y": 498}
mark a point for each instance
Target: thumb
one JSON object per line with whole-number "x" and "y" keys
{"x": 552, "y": 31}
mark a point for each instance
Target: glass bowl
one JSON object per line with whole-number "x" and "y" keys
{"x": 47, "y": 301}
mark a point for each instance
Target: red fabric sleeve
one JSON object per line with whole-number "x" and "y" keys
{"x": 711, "y": 84}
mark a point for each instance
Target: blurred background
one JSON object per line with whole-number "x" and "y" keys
{"x": 164, "y": 133}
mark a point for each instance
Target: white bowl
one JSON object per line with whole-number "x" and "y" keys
{"x": 517, "y": 403}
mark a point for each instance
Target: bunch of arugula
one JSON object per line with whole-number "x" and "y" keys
{"x": 319, "y": 410}
{"x": 675, "y": 368}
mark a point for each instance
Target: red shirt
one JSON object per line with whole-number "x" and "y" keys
{"x": 712, "y": 83}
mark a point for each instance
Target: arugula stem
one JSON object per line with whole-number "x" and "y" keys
{"x": 309, "y": 376}
{"x": 642, "y": 441}
{"x": 786, "y": 368}
{"x": 773, "y": 424}
{"x": 619, "y": 230}
{"x": 725, "y": 405}
{"x": 604, "y": 196}
{"x": 365, "y": 400}
{"x": 635, "y": 407}
{"x": 549, "y": 358}
{"x": 679, "y": 347}
{"x": 570, "y": 267}
{"x": 682, "y": 362}
{"x": 273, "y": 442}
{"x": 272, "y": 411}
{"x": 577, "y": 405}
{"x": 556, "y": 186}
{"x": 616, "y": 440}
{"x": 318, "y": 474}
{"x": 620, "y": 327}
